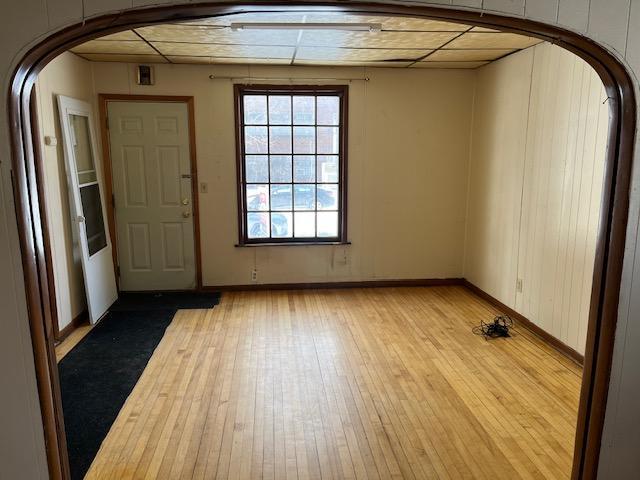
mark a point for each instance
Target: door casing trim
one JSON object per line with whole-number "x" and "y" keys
{"x": 613, "y": 217}
{"x": 103, "y": 101}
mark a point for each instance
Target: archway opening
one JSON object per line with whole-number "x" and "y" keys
{"x": 475, "y": 262}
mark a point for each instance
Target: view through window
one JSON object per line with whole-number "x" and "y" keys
{"x": 291, "y": 163}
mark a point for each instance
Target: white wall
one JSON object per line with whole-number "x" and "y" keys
{"x": 407, "y": 162}
{"x": 68, "y": 75}
{"x": 613, "y": 23}
{"x": 535, "y": 186}
{"x": 562, "y": 196}
{"x": 498, "y": 139}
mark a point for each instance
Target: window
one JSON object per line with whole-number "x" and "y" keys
{"x": 291, "y": 163}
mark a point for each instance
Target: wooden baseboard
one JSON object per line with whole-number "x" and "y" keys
{"x": 419, "y": 282}
{"x": 526, "y": 323}
{"x": 81, "y": 319}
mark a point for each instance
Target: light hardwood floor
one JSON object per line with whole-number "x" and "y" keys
{"x": 353, "y": 383}
{"x": 71, "y": 341}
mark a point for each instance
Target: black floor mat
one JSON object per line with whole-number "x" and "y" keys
{"x": 97, "y": 376}
{"x": 159, "y": 301}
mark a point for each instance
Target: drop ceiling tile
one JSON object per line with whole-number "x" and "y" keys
{"x": 201, "y": 34}
{"x": 337, "y": 63}
{"x": 484, "y": 29}
{"x": 335, "y": 38}
{"x": 466, "y": 55}
{"x": 388, "y": 22}
{"x": 210, "y": 50}
{"x": 111, "y": 46}
{"x": 357, "y": 54}
{"x": 251, "y": 61}
{"x": 106, "y": 57}
{"x": 448, "y": 64}
{"x": 191, "y": 59}
{"x": 126, "y": 35}
{"x": 228, "y": 60}
{"x": 226, "y": 20}
{"x": 492, "y": 40}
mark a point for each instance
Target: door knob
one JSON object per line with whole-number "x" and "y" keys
{"x": 80, "y": 219}
{"x": 186, "y": 214}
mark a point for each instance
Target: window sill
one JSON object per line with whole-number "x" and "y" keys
{"x": 290, "y": 244}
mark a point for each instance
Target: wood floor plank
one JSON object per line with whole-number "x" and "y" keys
{"x": 385, "y": 383}
{"x": 71, "y": 341}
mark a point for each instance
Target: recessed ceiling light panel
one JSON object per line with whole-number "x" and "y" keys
{"x": 350, "y": 27}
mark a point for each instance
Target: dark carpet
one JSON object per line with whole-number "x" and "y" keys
{"x": 97, "y": 376}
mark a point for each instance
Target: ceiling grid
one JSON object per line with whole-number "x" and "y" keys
{"x": 312, "y": 38}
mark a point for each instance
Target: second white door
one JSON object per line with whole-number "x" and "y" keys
{"x": 151, "y": 165}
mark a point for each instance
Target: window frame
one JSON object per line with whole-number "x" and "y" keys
{"x": 342, "y": 92}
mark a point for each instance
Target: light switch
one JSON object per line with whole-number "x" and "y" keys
{"x": 204, "y": 187}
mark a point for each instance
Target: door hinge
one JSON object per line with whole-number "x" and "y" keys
{"x": 107, "y": 120}
{"x": 113, "y": 201}
{"x": 118, "y": 271}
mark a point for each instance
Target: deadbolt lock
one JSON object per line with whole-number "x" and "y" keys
{"x": 185, "y": 201}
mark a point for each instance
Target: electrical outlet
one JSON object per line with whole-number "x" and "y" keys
{"x": 254, "y": 275}
{"x": 519, "y": 285}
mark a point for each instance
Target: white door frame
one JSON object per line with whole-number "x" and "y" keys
{"x": 104, "y": 99}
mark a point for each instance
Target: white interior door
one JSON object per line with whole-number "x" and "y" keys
{"x": 86, "y": 189}
{"x": 151, "y": 163}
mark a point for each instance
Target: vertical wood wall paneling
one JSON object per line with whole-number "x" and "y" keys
{"x": 560, "y": 194}
{"x": 496, "y": 173}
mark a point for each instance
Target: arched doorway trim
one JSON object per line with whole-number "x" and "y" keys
{"x": 611, "y": 234}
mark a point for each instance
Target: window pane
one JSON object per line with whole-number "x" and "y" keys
{"x": 81, "y": 143}
{"x": 93, "y": 220}
{"x": 328, "y": 140}
{"x": 280, "y": 168}
{"x": 255, "y": 139}
{"x": 258, "y": 225}
{"x": 256, "y": 168}
{"x": 327, "y": 197}
{"x": 87, "y": 177}
{"x": 279, "y": 110}
{"x": 304, "y": 140}
{"x": 304, "y": 167}
{"x": 281, "y": 225}
{"x": 304, "y": 110}
{"x": 304, "y": 197}
{"x": 280, "y": 140}
{"x": 255, "y": 109}
{"x": 327, "y": 224}
{"x": 257, "y": 197}
{"x": 328, "y": 171}
{"x": 328, "y": 110}
{"x": 280, "y": 197}
{"x": 305, "y": 224}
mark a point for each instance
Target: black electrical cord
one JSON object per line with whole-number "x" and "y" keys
{"x": 496, "y": 329}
